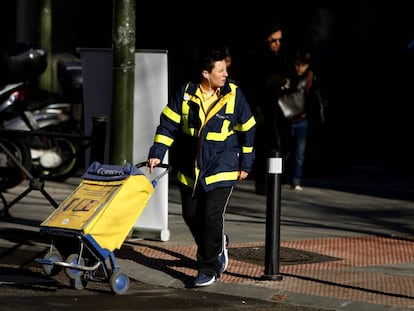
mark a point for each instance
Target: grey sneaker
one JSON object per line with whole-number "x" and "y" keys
{"x": 204, "y": 280}
{"x": 297, "y": 188}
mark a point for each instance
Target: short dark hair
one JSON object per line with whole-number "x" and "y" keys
{"x": 206, "y": 56}
{"x": 304, "y": 55}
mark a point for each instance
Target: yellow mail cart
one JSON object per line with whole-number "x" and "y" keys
{"x": 94, "y": 221}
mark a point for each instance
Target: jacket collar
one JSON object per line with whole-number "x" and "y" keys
{"x": 192, "y": 88}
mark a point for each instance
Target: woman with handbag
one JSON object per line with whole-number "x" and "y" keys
{"x": 299, "y": 96}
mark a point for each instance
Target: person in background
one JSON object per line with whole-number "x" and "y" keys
{"x": 211, "y": 125}
{"x": 272, "y": 130}
{"x": 300, "y": 99}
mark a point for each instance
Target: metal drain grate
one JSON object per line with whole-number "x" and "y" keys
{"x": 287, "y": 256}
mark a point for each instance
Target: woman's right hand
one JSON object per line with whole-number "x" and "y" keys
{"x": 153, "y": 162}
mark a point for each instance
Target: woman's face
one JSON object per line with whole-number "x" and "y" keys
{"x": 218, "y": 74}
{"x": 275, "y": 41}
{"x": 301, "y": 68}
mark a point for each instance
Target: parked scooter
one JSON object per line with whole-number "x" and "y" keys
{"x": 23, "y": 107}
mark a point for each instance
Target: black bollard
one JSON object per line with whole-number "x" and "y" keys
{"x": 273, "y": 201}
{"x": 99, "y": 125}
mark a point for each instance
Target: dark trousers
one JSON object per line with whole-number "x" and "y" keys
{"x": 204, "y": 215}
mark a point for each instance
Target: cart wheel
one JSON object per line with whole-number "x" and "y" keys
{"x": 119, "y": 283}
{"x": 51, "y": 269}
{"x": 73, "y": 273}
{"x": 78, "y": 283}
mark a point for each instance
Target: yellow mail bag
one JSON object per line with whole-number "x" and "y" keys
{"x": 105, "y": 205}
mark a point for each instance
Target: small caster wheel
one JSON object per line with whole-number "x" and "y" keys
{"x": 73, "y": 273}
{"x": 119, "y": 283}
{"x": 51, "y": 269}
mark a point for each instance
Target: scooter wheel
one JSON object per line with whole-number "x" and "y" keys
{"x": 74, "y": 273}
{"x": 15, "y": 155}
{"x": 119, "y": 283}
{"x": 51, "y": 269}
{"x": 68, "y": 151}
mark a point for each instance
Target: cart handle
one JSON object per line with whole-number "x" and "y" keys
{"x": 161, "y": 165}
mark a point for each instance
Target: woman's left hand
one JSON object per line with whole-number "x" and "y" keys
{"x": 243, "y": 175}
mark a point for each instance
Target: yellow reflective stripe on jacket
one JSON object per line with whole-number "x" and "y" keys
{"x": 186, "y": 129}
{"x": 185, "y": 180}
{"x": 171, "y": 114}
{"x": 247, "y": 149}
{"x": 221, "y": 177}
{"x": 223, "y": 134}
{"x": 231, "y": 102}
{"x": 197, "y": 173}
{"x": 215, "y": 109}
{"x": 185, "y": 107}
{"x": 246, "y": 126}
{"x": 185, "y": 111}
{"x": 162, "y": 139}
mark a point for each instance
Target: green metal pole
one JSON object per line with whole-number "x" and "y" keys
{"x": 46, "y": 79}
{"x": 123, "y": 75}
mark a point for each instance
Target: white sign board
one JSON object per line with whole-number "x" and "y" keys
{"x": 150, "y": 97}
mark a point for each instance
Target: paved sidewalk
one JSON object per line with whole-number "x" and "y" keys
{"x": 346, "y": 242}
